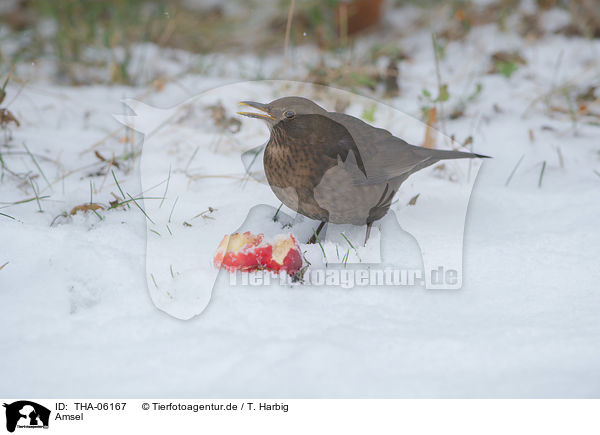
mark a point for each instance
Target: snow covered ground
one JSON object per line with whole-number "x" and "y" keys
{"x": 75, "y": 312}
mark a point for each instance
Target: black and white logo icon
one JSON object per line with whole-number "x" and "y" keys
{"x": 26, "y": 414}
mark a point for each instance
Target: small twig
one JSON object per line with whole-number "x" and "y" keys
{"x": 127, "y": 201}
{"x": 351, "y": 245}
{"x": 319, "y": 242}
{"x": 345, "y": 259}
{"x": 37, "y": 198}
{"x": 288, "y": 28}
{"x": 191, "y": 158}
{"x": 248, "y": 173}
{"x": 153, "y": 187}
{"x": 203, "y": 214}
{"x": 111, "y": 163}
{"x": 277, "y": 212}
{"x": 62, "y": 215}
{"x": 343, "y": 20}
{"x": 572, "y": 113}
{"x": 141, "y": 209}
{"x": 101, "y": 141}
{"x": 37, "y": 166}
{"x": 542, "y": 174}
{"x": 24, "y": 201}
{"x": 7, "y": 78}
{"x": 439, "y": 81}
{"x": 166, "y": 188}
{"x": 92, "y": 202}
{"x": 4, "y": 265}
{"x": 232, "y": 177}
{"x": 5, "y": 215}
{"x": 553, "y": 90}
{"x": 514, "y": 170}
{"x": 561, "y": 160}
{"x": 74, "y": 171}
{"x": 118, "y": 185}
{"x": 173, "y": 208}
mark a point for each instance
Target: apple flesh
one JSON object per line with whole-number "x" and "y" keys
{"x": 248, "y": 252}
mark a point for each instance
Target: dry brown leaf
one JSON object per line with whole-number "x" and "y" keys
{"x": 6, "y": 117}
{"x": 391, "y": 79}
{"x": 104, "y": 159}
{"x": 413, "y": 200}
{"x": 219, "y": 115}
{"x": 508, "y": 57}
{"x": 85, "y": 208}
{"x": 429, "y": 141}
{"x": 159, "y": 83}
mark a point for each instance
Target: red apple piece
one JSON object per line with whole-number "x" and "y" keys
{"x": 248, "y": 252}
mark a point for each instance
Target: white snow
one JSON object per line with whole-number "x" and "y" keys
{"x": 75, "y": 312}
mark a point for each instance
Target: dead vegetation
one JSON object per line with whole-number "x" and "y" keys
{"x": 506, "y": 63}
{"x": 84, "y": 208}
{"x": 115, "y": 28}
{"x": 222, "y": 119}
{"x": 6, "y": 116}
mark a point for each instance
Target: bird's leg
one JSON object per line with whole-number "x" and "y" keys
{"x": 313, "y": 239}
{"x": 369, "y": 225}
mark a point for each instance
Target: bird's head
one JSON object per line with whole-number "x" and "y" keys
{"x": 282, "y": 110}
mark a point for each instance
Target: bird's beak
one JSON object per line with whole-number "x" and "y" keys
{"x": 259, "y": 106}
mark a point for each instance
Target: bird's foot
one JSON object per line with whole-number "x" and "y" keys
{"x": 369, "y": 225}
{"x": 315, "y": 236}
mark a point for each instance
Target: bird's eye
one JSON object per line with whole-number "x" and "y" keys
{"x": 289, "y": 114}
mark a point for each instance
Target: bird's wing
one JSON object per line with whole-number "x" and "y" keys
{"x": 394, "y": 158}
{"x": 385, "y": 156}
{"x": 362, "y": 132}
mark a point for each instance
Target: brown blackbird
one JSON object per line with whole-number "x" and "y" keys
{"x": 333, "y": 167}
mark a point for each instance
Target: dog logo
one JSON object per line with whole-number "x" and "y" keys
{"x": 26, "y": 414}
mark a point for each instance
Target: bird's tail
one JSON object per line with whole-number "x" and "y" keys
{"x": 448, "y": 155}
